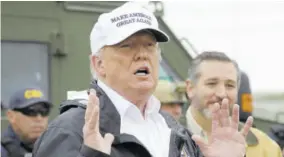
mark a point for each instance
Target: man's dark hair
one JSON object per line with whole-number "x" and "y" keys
{"x": 193, "y": 71}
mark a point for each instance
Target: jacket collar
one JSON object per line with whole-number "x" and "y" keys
{"x": 110, "y": 122}
{"x": 109, "y": 117}
{"x": 11, "y": 134}
{"x": 251, "y": 139}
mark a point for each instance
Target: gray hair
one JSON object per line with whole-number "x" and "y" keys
{"x": 193, "y": 72}
{"x": 92, "y": 70}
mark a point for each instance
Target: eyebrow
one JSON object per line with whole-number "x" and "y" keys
{"x": 231, "y": 81}
{"x": 216, "y": 79}
{"x": 212, "y": 79}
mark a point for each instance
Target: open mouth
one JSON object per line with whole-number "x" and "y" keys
{"x": 143, "y": 71}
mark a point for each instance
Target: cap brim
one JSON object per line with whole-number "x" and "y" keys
{"x": 158, "y": 34}
{"x": 35, "y": 102}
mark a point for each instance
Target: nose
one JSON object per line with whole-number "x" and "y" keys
{"x": 178, "y": 110}
{"x": 177, "y": 115}
{"x": 221, "y": 92}
{"x": 141, "y": 54}
{"x": 39, "y": 117}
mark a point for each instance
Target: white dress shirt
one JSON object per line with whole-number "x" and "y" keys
{"x": 152, "y": 131}
{"x": 193, "y": 126}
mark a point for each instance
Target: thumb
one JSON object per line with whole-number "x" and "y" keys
{"x": 200, "y": 142}
{"x": 109, "y": 138}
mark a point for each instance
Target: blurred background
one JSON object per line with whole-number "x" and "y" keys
{"x": 47, "y": 44}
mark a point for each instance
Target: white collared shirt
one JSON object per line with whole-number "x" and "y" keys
{"x": 152, "y": 131}
{"x": 193, "y": 126}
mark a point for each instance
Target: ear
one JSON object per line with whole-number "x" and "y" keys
{"x": 11, "y": 116}
{"x": 97, "y": 64}
{"x": 189, "y": 88}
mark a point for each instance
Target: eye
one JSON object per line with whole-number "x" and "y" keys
{"x": 211, "y": 83}
{"x": 230, "y": 85}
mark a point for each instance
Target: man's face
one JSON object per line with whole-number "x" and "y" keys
{"x": 217, "y": 80}
{"x": 28, "y": 122}
{"x": 174, "y": 109}
{"x": 131, "y": 64}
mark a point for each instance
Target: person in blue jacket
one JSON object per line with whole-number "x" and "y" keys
{"x": 27, "y": 113}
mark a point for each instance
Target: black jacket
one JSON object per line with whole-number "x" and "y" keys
{"x": 12, "y": 146}
{"x": 64, "y": 136}
{"x": 276, "y": 132}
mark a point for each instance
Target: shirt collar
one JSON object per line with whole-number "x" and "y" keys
{"x": 122, "y": 105}
{"x": 119, "y": 102}
{"x": 192, "y": 124}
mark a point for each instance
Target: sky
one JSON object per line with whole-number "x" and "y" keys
{"x": 250, "y": 32}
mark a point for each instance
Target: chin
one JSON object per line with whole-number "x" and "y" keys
{"x": 34, "y": 137}
{"x": 144, "y": 89}
{"x": 36, "y": 133}
{"x": 146, "y": 85}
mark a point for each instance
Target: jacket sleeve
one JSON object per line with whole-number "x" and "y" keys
{"x": 193, "y": 147}
{"x": 64, "y": 143}
{"x": 4, "y": 152}
{"x": 279, "y": 152}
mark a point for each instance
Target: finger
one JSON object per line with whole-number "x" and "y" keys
{"x": 200, "y": 142}
{"x": 247, "y": 126}
{"x": 225, "y": 116}
{"x": 89, "y": 109}
{"x": 109, "y": 138}
{"x": 93, "y": 121}
{"x": 215, "y": 116}
{"x": 235, "y": 117}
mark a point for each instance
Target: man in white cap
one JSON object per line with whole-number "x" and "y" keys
{"x": 120, "y": 117}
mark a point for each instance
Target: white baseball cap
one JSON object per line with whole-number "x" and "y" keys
{"x": 117, "y": 25}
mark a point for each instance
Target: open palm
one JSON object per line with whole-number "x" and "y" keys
{"x": 225, "y": 140}
{"x": 91, "y": 132}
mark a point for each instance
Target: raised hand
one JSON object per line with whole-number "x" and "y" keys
{"x": 91, "y": 132}
{"x": 225, "y": 139}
